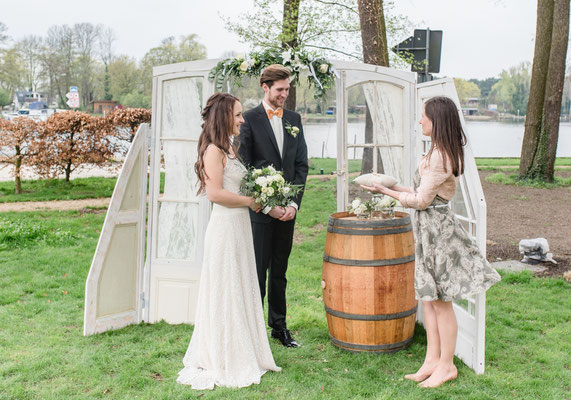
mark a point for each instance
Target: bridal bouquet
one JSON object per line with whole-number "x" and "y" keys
{"x": 268, "y": 187}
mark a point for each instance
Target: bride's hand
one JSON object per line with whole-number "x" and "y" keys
{"x": 254, "y": 206}
{"x": 375, "y": 188}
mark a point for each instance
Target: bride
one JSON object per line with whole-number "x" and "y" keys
{"x": 229, "y": 346}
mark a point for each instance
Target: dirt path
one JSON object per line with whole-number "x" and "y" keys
{"x": 54, "y": 205}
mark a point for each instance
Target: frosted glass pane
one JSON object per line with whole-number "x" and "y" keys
{"x": 131, "y": 198}
{"x": 180, "y": 180}
{"x": 116, "y": 291}
{"x": 385, "y": 101}
{"x": 181, "y": 111}
{"x": 177, "y": 230}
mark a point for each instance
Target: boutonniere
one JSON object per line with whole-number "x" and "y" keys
{"x": 292, "y": 130}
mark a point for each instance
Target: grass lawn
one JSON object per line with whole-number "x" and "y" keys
{"x": 43, "y": 355}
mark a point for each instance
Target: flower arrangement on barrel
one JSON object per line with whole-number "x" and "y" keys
{"x": 380, "y": 206}
{"x": 320, "y": 74}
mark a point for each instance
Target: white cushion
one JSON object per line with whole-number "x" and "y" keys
{"x": 379, "y": 179}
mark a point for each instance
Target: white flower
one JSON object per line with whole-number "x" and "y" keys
{"x": 239, "y": 56}
{"x": 262, "y": 181}
{"x": 271, "y": 169}
{"x": 323, "y": 68}
{"x": 270, "y": 191}
{"x": 286, "y": 55}
{"x": 257, "y": 172}
{"x": 251, "y": 62}
{"x": 244, "y": 66}
{"x": 387, "y": 202}
{"x": 281, "y": 179}
{"x": 264, "y": 189}
{"x": 286, "y": 190}
{"x": 361, "y": 209}
{"x": 356, "y": 203}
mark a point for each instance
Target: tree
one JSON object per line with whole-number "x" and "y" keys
{"x": 466, "y": 89}
{"x": 69, "y": 140}
{"x": 86, "y": 38}
{"x": 124, "y": 77}
{"x": 15, "y": 137}
{"x": 375, "y": 51}
{"x": 59, "y": 61}
{"x": 169, "y": 52}
{"x": 126, "y": 121}
{"x": 541, "y": 133}
{"x": 289, "y": 39}
{"x": 30, "y": 48}
{"x": 107, "y": 37}
{"x": 513, "y": 88}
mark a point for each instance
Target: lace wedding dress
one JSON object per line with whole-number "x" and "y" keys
{"x": 229, "y": 346}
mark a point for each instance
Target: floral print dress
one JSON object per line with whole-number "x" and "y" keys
{"x": 449, "y": 265}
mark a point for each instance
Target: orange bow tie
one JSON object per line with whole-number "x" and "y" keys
{"x": 278, "y": 113}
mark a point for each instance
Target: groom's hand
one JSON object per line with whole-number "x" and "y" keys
{"x": 289, "y": 214}
{"x": 277, "y": 212}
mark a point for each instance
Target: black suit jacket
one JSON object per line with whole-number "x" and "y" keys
{"x": 259, "y": 148}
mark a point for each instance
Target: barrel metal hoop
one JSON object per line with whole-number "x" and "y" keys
{"x": 369, "y": 346}
{"x": 369, "y": 223}
{"x": 368, "y": 263}
{"x": 369, "y": 232}
{"x": 366, "y": 317}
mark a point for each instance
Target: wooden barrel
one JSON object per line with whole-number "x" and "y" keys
{"x": 368, "y": 283}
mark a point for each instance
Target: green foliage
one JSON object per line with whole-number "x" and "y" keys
{"x": 511, "y": 92}
{"x": 5, "y": 97}
{"x": 319, "y": 73}
{"x": 45, "y": 355}
{"x": 514, "y": 179}
{"x": 17, "y": 233}
{"x": 514, "y": 162}
{"x": 136, "y": 99}
{"x": 466, "y": 89}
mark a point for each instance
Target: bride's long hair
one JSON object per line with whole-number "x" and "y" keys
{"x": 217, "y": 127}
{"x": 447, "y": 133}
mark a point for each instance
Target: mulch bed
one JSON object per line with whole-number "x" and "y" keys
{"x": 516, "y": 213}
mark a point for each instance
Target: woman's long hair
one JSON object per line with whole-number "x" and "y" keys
{"x": 217, "y": 127}
{"x": 447, "y": 133}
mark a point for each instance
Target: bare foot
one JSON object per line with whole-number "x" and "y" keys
{"x": 442, "y": 373}
{"x": 424, "y": 372}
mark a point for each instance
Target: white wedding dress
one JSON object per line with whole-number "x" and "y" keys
{"x": 229, "y": 346}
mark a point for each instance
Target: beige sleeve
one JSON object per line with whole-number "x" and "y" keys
{"x": 433, "y": 176}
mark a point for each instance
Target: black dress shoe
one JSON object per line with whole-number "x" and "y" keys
{"x": 284, "y": 336}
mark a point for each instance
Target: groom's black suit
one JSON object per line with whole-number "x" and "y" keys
{"x": 273, "y": 238}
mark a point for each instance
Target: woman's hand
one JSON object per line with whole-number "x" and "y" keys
{"x": 375, "y": 188}
{"x": 254, "y": 206}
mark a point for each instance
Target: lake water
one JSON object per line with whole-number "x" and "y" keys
{"x": 487, "y": 138}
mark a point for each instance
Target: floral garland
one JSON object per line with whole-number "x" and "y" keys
{"x": 320, "y": 72}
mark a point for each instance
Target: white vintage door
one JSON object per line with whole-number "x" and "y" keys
{"x": 177, "y": 216}
{"x": 390, "y": 97}
{"x": 469, "y": 205}
{"x": 114, "y": 284}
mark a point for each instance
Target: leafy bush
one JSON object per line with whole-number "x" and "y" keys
{"x": 513, "y": 179}
{"x": 23, "y": 233}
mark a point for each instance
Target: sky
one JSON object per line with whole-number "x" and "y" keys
{"x": 480, "y": 37}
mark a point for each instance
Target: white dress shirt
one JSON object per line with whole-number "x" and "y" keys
{"x": 278, "y": 128}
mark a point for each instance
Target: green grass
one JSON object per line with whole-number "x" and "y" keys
{"x": 58, "y": 189}
{"x": 43, "y": 354}
{"x": 512, "y": 179}
{"x": 514, "y": 162}
{"x": 330, "y": 165}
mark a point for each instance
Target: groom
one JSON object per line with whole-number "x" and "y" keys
{"x": 271, "y": 135}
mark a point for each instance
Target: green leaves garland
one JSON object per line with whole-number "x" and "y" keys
{"x": 319, "y": 71}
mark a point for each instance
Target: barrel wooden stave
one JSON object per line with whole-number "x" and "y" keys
{"x": 368, "y": 279}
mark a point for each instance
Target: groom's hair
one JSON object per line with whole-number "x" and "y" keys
{"x": 272, "y": 73}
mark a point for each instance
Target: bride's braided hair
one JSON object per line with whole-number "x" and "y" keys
{"x": 217, "y": 127}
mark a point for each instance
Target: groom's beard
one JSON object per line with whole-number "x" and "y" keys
{"x": 276, "y": 102}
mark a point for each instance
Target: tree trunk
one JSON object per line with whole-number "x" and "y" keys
{"x": 17, "y": 167}
{"x": 290, "y": 40}
{"x": 375, "y": 51}
{"x": 530, "y": 149}
{"x": 555, "y": 81}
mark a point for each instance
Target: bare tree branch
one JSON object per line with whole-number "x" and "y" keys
{"x": 334, "y": 50}
{"x": 334, "y": 3}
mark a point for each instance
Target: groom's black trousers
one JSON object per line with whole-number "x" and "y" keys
{"x": 272, "y": 246}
